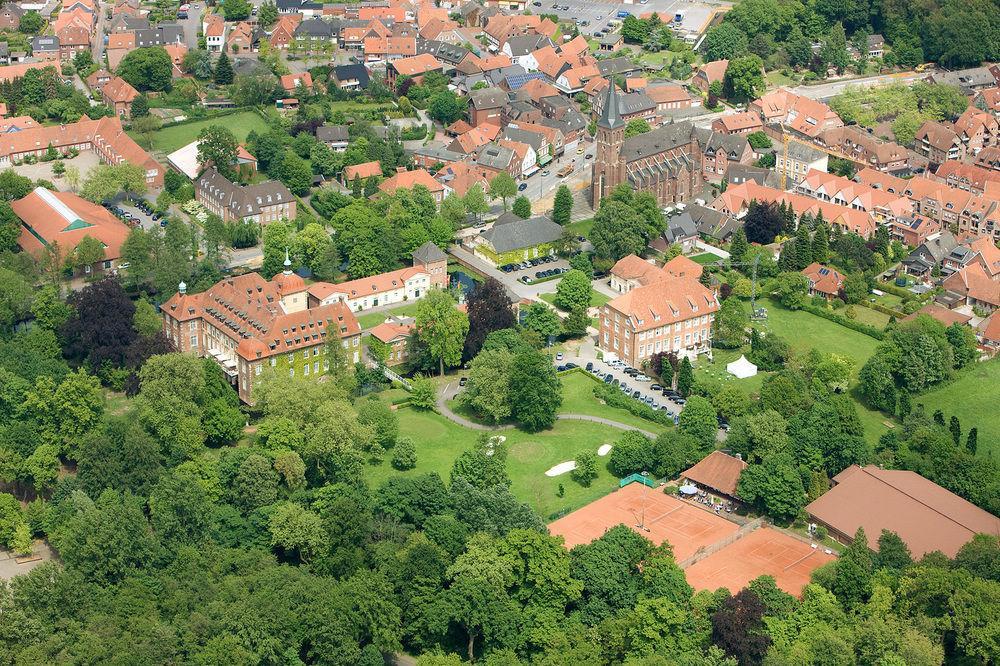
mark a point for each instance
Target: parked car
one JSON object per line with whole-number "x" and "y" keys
{"x": 642, "y": 378}
{"x": 608, "y": 378}
{"x": 655, "y": 387}
{"x": 463, "y": 381}
{"x": 560, "y": 368}
{"x": 589, "y": 366}
{"x": 637, "y": 394}
{"x": 559, "y": 356}
{"x": 680, "y": 401}
{"x": 522, "y": 187}
{"x": 570, "y": 366}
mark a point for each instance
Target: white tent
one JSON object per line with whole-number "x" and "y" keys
{"x": 741, "y": 368}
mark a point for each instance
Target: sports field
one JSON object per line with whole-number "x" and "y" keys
{"x": 684, "y": 526}
{"x": 763, "y": 551}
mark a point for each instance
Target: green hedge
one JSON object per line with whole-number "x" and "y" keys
{"x": 878, "y": 307}
{"x": 890, "y": 288}
{"x": 613, "y": 397}
{"x": 865, "y": 329}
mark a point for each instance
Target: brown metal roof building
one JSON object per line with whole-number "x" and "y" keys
{"x": 718, "y": 471}
{"x": 924, "y": 515}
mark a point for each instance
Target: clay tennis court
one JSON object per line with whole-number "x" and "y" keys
{"x": 687, "y": 528}
{"x": 763, "y": 551}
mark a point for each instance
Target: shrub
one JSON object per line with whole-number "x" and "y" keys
{"x": 870, "y": 331}
{"x": 615, "y": 398}
{"x": 404, "y": 454}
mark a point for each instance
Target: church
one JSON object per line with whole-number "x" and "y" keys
{"x": 672, "y": 162}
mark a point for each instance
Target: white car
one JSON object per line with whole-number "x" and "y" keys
{"x": 559, "y": 356}
{"x": 642, "y": 378}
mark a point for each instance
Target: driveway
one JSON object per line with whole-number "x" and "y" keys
{"x": 9, "y": 567}
{"x": 83, "y": 162}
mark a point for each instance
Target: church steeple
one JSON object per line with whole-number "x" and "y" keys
{"x": 611, "y": 117}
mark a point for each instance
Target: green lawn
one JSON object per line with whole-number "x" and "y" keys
{"x": 597, "y": 299}
{"x": 871, "y": 317}
{"x": 705, "y": 258}
{"x": 581, "y": 227}
{"x": 803, "y": 331}
{"x": 439, "y": 441}
{"x": 373, "y": 319}
{"x": 170, "y": 139}
{"x": 972, "y": 398}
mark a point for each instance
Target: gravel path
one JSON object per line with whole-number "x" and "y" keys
{"x": 451, "y": 390}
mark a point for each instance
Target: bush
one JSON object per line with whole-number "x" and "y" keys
{"x": 404, "y": 454}
{"x": 821, "y": 532}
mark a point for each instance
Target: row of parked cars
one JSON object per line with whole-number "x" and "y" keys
{"x": 127, "y": 217}
{"x": 537, "y": 261}
{"x": 539, "y": 275}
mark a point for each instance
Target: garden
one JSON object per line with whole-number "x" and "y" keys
{"x": 169, "y": 139}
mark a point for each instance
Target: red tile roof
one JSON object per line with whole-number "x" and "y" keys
{"x": 717, "y": 471}
{"x": 924, "y": 515}
{"x": 65, "y": 218}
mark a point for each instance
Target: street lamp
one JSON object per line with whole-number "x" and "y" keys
{"x": 642, "y": 510}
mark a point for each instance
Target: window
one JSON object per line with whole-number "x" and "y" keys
{"x": 316, "y": 367}
{"x": 192, "y": 325}
{"x": 305, "y": 370}
{"x": 194, "y": 341}
{"x": 273, "y": 361}
{"x": 291, "y": 372}
{"x": 256, "y": 370}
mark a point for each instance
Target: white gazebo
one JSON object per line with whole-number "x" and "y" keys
{"x": 741, "y": 368}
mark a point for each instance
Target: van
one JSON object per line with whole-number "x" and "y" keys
{"x": 565, "y": 171}
{"x": 623, "y": 14}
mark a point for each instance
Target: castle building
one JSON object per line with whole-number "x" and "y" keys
{"x": 249, "y": 325}
{"x": 671, "y": 162}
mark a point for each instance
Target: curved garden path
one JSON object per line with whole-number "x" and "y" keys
{"x": 446, "y": 411}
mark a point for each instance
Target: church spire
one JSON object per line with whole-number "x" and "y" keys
{"x": 288, "y": 263}
{"x": 610, "y": 115}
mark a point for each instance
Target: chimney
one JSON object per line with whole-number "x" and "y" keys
{"x": 739, "y": 456}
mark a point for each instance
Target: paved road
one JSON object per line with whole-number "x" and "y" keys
{"x": 452, "y": 389}
{"x": 827, "y": 90}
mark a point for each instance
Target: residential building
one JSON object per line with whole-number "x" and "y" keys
{"x": 262, "y": 203}
{"x": 865, "y": 148}
{"x": 486, "y": 106}
{"x": 214, "y": 28}
{"x": 118, "y": 46}
{"x": 104, "y": 136}
{"x": 709, "y": 73}
{"x": 674, "y": 314}
{"x": 407, "y": 180}
{"x": 10, "y": 17}
{"x": 923, "y": 514}
{"x": 45, "y": 48}
{"x": 930, "y": 254}
{"x": 350, "y": 77}
{"x": 250, "y": 326}
{"x": 495, "y": 158}
{"x": 744, "y": 122}
{"x": 290, "y": 82}
{"x": 823, "y": 280}
{"x": 798, "y": 160}
{"x": 512, "y": 239}
{"x": 429, "y": 271}
{"x": 414, "y": 67}
{"x": 971, "y": 286}
{"x": 335, "y": 137}
{"x": 800, "y": 114}
{"x": 118, "y": 95}
{"x": 49, "y": 217}
{"x": 395, "y": 336}
{"x": 876, "y": 46}
{"x": 938, "y": 142}
{"x": 362, "y": 172}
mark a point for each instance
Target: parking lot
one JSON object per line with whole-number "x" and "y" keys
{"x": 695, "y": 15}
{"x": 531, "y": 269}
{"x": 120, "y": 206}
{"x": 617, "y": 372}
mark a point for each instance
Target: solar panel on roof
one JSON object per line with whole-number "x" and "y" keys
{"x": 824, "y": 271}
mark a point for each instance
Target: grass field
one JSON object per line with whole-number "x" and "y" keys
{"x": 705, "y": 258}
{"x": 597, "y": 299}
{"x": 871, "y": 317}
{"x": 170, "y": 139}
{"x": 804, "y": 331}
{"x": 373, "y": 319}
{"x": 972, "y": 398}
{"x": 439, "y": 441}
{"x": 578, "y": 398}
{"x": 581, "y": 227}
